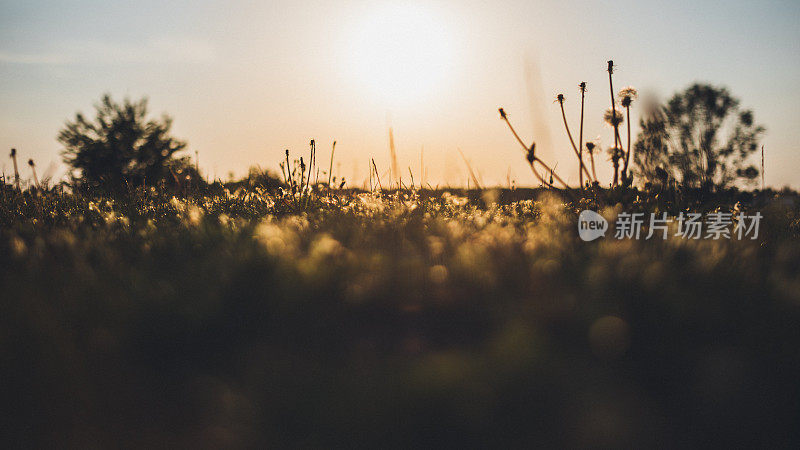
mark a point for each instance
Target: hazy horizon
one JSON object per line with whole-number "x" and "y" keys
{"x": 244, "y": 82}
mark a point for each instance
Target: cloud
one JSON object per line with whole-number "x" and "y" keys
{"x": 158, "y": 50}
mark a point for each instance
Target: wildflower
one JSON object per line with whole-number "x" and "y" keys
{"x": 33, "y": 169}
{"x": 582, "y": 166}
{"x": 616, "y": 152}
{"x": 16, "y": 170}
{"x": 614, "y": 117}
{"x": 628, "y": 95}
{"x": 531, "y": 156}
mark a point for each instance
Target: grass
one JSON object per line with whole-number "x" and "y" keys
{"x": 245, "y": 317}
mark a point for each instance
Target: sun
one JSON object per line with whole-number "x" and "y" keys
{"x": 401, "y": 53}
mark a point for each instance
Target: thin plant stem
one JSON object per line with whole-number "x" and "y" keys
{"x": 535, "y": 158}
{"x": 16, "y": 169}
{"x": 617, "y": 140}
{"x": 289, "y": 172}
{"x": 33, "y": 169}
{"x": 524, "y": 146}
{"x": 572, "y": 141}
{"x": 505, "y": 119}
{"x": 330, "y": 169}
{"x": 580, "y": 134}
{"x": 594, "y": 172}
{"x": 628, "y": 153}
{"x": 377, "y": 176}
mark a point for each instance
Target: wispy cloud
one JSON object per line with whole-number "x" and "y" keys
{"x": 159, "y": 50}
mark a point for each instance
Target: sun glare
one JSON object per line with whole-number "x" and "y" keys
{"x": 401, "y": 53}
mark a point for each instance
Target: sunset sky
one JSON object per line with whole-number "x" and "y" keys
{"x": 246, "y": 80}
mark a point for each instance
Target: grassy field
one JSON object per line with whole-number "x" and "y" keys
{"x": 454, "y": 319}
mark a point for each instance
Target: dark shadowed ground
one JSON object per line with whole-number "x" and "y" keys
{"x": 247, "y": 320}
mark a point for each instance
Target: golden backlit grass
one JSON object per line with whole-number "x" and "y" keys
{"x": 251, "y": 319}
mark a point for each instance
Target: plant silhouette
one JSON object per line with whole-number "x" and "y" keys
{"x": 699, "y": 138}
{"x": 122, "y": 146}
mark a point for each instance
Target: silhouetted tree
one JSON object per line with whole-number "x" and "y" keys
{"x": 122, "y": 147}
{"x": 700, "y": 138}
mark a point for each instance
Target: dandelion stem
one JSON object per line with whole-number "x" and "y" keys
{"x": 532, "y": 158}
{"x": 289, "y": 173}
{"x": 617, "y": 140}
{"x": 572, "y": 141}
{"x": 310, "y": 165}
{"x": 524, "y": 146}
{"x": 505, "y": 119}
{"x": 330, "y": 170}
{"x": 16, "y": 170}
{"x": 628, "y": 153}
{"x": 33, "y": 169}
{"x": 580, "y": 136}
{"x": 594, "y": 172}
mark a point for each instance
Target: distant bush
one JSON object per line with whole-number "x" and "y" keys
{"x": 699, "y": 138}
{"x": 122, "y": 147}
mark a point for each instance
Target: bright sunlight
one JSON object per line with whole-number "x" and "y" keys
{"x": 401, "y": 53}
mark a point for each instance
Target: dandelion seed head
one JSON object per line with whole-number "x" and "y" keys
{"x": 628, "y": 95}
{"x": 613, "y": 117}
{"x": 615, "y": 153}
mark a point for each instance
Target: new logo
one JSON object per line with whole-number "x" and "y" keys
{"x": 591, "y": 225}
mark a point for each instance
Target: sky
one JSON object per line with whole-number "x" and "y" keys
{"x": 244, "y": 80}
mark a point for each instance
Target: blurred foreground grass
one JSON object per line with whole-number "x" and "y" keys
{"x": 237, "y": 320}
